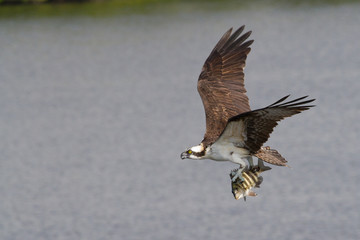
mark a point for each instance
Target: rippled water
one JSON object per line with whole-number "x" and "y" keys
{"x": 94, "y": 113}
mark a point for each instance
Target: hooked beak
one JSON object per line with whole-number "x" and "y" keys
{"x": 184, "y": 155}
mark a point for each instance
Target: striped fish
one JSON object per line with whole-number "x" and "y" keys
{"x": 252, "y": 178}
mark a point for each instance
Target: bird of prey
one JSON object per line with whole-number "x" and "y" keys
{"x": 234, "y": 132}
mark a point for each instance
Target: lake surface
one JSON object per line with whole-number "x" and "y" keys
{"x": 95, "y": 111}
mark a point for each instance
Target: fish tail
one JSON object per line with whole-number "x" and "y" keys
{"x": 262, "y": 167}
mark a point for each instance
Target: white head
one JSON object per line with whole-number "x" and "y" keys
{"x": 195, "y": 152}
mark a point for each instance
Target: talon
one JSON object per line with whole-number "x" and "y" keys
{"x": 234, "y": 179}
{"x": 238, "y": 174}
{"x": 241, "y": 178}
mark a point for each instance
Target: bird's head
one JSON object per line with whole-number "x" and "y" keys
{"x": 195, "y": 152}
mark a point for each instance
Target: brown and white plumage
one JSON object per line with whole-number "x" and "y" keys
{"x": 234, "y": 132}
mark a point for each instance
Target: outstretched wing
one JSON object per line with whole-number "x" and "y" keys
{"x": 221, "y": 83}
{"x": 258, "y": 124}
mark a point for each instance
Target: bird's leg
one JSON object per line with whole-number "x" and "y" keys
{"x": 241, "y": 161}
{"x": 251, "y": 162}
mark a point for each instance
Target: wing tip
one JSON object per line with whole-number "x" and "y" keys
{"x": 293, "y": 103}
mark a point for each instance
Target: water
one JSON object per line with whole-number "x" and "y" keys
{"x": 94, "y": 113}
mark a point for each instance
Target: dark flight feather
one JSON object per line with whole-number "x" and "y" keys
{"x": 221, "y": 83}
{"x": 261, "y": 122}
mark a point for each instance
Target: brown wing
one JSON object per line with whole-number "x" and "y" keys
{"x": 260, "y": 123}
{"x": 271, "y": 156}
{"x": 221, "y": 83}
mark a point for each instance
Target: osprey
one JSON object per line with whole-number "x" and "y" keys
{"x": 234, "y": 132}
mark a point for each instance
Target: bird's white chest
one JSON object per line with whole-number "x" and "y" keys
{"x": 226, "y": 152}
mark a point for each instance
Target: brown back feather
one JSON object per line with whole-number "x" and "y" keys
{"x": 221, "y": 83}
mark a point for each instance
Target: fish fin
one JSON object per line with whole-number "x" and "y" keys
{"x": 262, "y": 167}
{"x": 259, "y": 181}
{"x": 252, "y": 194}
{"x": 244, "y": 198}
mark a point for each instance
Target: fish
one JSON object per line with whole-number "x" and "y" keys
{"x": 252, "y": 179}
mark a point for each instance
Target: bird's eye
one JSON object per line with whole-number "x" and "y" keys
{"x": 189, "y": 152}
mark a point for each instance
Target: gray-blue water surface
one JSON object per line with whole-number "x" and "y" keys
{"x": 94, "y": 113}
